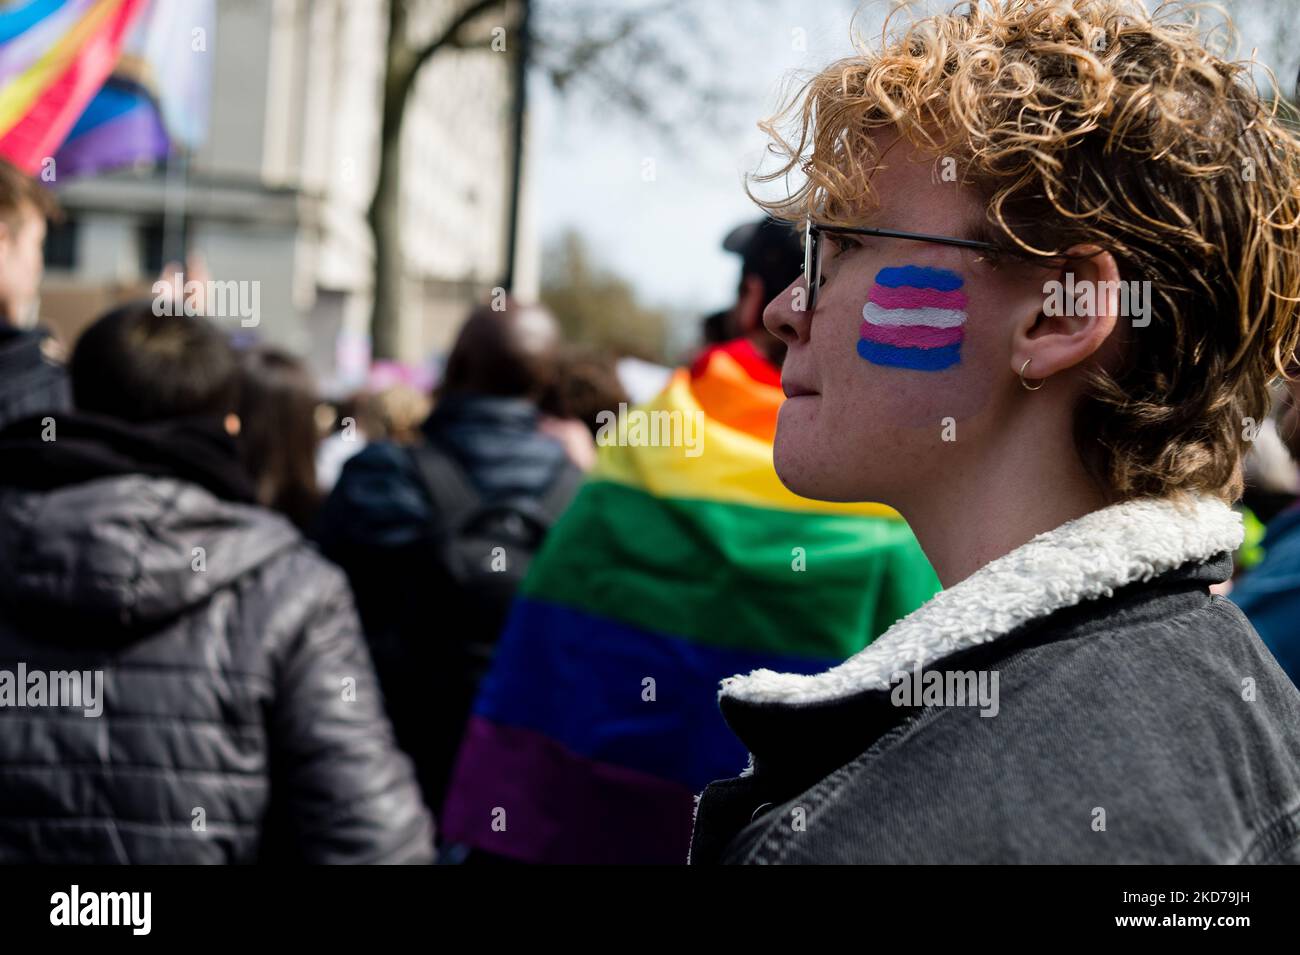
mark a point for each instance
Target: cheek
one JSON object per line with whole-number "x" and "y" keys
{"x": 915, "y": 358}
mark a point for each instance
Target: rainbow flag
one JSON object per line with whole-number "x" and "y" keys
{"x": 157, "y": 97}
{"x": 121, "y": 125}
{"x": 599, "y": 722}
{"x": 54, "y": 57}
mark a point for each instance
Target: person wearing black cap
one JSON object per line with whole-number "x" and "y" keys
{"x": 770, "y": 255}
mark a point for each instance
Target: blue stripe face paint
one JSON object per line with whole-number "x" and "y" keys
{"x": 917, "y": 359}
{"x": 918, "y": 276}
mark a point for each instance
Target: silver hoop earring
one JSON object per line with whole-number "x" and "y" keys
{"x": 1024, "y": 383}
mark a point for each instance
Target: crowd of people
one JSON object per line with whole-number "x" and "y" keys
{"x": 449, "y": 624}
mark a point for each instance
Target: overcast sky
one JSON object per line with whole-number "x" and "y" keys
{"x": 665, "y": 235}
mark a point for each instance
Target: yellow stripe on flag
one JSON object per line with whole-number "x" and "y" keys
{"x": 17, "y": 98}
{"x": 732, "y": 467}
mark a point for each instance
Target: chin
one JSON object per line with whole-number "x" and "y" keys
{"x": 807, "y": 471}
{"x": 801, "y": 473}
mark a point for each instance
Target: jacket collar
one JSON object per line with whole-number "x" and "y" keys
{"x": 468, "y": 410}
{"x": 91, "y": 446}
{"x": 1083, "y": 559}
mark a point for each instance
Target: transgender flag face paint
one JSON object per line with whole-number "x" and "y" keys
{"x": 914, "y": 318}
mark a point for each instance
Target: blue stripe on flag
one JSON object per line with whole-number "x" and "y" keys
{"x": 15, "y": 22}
{"x": 579, "y": 679}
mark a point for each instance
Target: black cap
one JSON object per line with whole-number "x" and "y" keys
{"x": 769, "y": 249}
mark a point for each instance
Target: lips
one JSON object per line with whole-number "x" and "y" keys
{"x": 793, "y": 389}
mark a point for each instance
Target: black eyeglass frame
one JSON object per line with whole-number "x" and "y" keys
{"x": 812, "y": 259}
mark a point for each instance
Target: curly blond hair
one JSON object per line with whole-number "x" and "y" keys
{"x": 1096, "y": 122}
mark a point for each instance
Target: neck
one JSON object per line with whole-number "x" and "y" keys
{"x": 991, "y": 506}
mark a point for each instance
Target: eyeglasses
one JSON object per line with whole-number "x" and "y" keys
{"x": 812, "y": 248}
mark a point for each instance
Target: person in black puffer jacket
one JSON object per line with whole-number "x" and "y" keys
{"x": 239, "y": 718}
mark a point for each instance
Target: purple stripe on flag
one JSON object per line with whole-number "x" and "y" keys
{"x": 558, "y": 807}
{"x": 911, "y": 336}
{"x": 908, "y": 297}
{"x": 133, "y": 136}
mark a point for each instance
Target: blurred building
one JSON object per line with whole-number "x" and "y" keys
{"x": 279, "y": 191}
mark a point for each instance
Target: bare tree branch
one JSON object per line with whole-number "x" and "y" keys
{"x": 449, "y": 36}
{"x": 627, "y": 58}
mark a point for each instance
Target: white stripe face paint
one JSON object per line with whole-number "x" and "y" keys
{"x": 933, "y": 317}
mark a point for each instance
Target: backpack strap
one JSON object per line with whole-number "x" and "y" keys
{"x": 455, "y": 498}
{"x": 448, "y": 487}
{"x": 561, "y": 491}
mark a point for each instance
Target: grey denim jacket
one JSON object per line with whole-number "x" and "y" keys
{"x": 1124, "y": 715}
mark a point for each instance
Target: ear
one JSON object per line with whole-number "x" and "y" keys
{"x": 1080, "y": 304}
{"x": 750, "y": 305}
{"x": 232, "y": 424}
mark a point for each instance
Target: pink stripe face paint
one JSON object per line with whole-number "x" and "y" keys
{"x": 911, "y": 336}
{"x": 908, "y": 297}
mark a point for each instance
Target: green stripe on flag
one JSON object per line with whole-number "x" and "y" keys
{"x": 727, "y": 574}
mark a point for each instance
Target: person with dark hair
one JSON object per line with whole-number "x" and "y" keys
{"x": 766, "y": 248}
{"x": 279, "y": 433}
{"x": 135, "y": 366}
{"x": 585, "y": 386}
{"x": 32, "y": 377}
{"x": 506, "y": 353}
{"x": 224, "y": 707}
{"x": 443, "y": 530}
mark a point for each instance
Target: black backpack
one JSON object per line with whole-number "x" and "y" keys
{"x": 482, "y": 548}
{"x": 440, "y": 638}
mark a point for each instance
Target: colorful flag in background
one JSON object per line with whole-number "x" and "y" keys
{"x": 121, "y": 125}
{"x": 103, "y": 83}
{"x": 54, "y": 57}
{"x": 676, "y": 569}
{"x": 157, "y": 97}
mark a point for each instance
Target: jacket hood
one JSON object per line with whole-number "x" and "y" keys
{"x": 497, "y": 442}
{"x": 126, "y": 551}
{"x": 1084, "y": 559}
{"x": 54, "y": 449}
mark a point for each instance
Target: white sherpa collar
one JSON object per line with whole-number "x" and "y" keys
{"x": 1083, "y": 559}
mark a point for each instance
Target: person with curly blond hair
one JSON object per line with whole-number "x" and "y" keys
{"x": 1052, "y": 268}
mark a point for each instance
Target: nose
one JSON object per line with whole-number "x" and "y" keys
{"x": 787, "y": 317}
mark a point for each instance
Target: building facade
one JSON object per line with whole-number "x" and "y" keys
{"x": 278, "y": 192}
